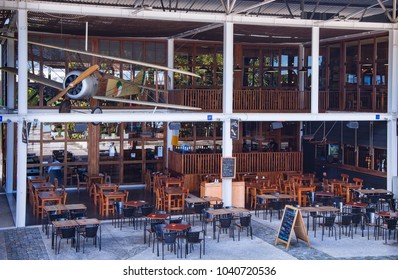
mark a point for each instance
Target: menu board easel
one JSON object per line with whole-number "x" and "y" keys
{"x": 292, "y": 220}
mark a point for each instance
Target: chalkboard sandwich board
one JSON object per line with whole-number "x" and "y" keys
{"x": 292, "y": 220}
{"x": 228, "y": 167}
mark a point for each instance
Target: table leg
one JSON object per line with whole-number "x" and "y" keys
{"x": 100, "y": 238}
{"x": 299, "y": 197}
{"x": 106, "y": 206}
{"x": 214, "y": 227}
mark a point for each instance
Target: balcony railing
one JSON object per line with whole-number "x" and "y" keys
{"x": 288, "y": 101}
{"x": 245, "y": 162}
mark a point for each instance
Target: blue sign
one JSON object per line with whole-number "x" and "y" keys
{"x": 209, "y": 117}
{"x": 1, "y": 118}
{"x": 377, "y": 117}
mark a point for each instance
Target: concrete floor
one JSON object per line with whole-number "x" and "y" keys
{"x": 30, "y": 243}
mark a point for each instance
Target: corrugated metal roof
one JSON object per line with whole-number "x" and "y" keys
{"x": 134, "y": 27}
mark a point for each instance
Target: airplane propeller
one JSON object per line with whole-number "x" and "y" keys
{"x": 74, "y": 83}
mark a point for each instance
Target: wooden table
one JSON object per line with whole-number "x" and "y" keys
{"x": 171, "y": 182}
{"x": 57, "y": 225}
{"x": 134, "y": 203}
{"x": 212, "y": 198}
{"x": 89, "y": 222}
{"x": 117, "y": 196}
{"x": 224, "y": 211}
{"x": 346, "y": 188}
{"x": 54, "y": 196}
{"x": 178, "y": 228}
{"x": 300, "y": 189}
{"x": 58, "y": 209}
{"x": 320, "y": 209}
{"x": 192, "y": 199}
{"x": 154, "y": 216}
{"x": 176, "y": 194}
{"x": 336, "y": 186}
{"x": 374, "y": 191}
{"x": 107, "y": 187}
{"x": 37, "y": 179}
{"x": 42, "y": 186}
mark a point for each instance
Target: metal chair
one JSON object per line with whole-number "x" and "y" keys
{"x": 329, "y": 223}
{"x": 192, "y": 238}
{"x": 245, "y": 223}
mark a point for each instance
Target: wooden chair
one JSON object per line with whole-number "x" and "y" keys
{"x": 79, "y": 183}
{"x": 64, "y": 195}
{"x": 344, "y": 177}
{"x": 127, "y": 195}
{"x": 253, "y": 197}
{"x": 358, "y": 181}
{"x": 149, "y": 184}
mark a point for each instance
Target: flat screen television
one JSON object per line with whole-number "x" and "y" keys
{"x": 333, "y": 149}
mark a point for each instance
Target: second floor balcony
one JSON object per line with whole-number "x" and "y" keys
{"x": 286, "y": 101}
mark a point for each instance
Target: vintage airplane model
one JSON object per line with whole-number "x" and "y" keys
{"x": 79, "y": 85}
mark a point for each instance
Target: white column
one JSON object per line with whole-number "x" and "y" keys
{"x": 170, "y": 86}
{"x": 22, "y": 110}
{"x": 227, "y": 105}
{"x": 315, "y": 70}
{"x": 392, "y": 107}
{"x": 10, "y": 126}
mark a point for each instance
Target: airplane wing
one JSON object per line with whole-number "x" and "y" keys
{"x": 150, "y": 65}
{"x": 147, "y": 103}
{"x": 36, "y": 78}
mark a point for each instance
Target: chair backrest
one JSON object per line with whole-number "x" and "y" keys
{"x": 175, "y": 220}
{"x": 128, "y": 212}
{"x": 346, "y": 220}
{"x": 169, "y": 237}
{"x": 118, "y": 207}
{"x": 91, "y": 231}
{"x": 146, "y": 210}
{"x": 358, "y": 181}
{"x": 357, "y": 218}
{"x": 192, "y": 236}
{"x": 68, "y": 232}
{"x": 329, "y": 221}
{"x": 245, "y": 220}
{"x": 344, "y": 177}
{"x": 55, "y": 216}
{"x": 391, "y": 224}
{"x": 218, "y": 205}
{"x": 198, "y": 207}
{"x": 157, "y": 227}
{"x": 225, "y": 222}
{"x": 76, "y": 215}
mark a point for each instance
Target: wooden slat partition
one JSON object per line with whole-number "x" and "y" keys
{"x": 271, "y": 100}
{"x": 244, "y": 100}
{"x": 202, "y": 164}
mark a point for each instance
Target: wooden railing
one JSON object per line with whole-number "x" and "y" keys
{"x": 210, "y": 100}
{"x": 244, "y": 100}
{"x": 245, "y": 162}
{"x": 271, "y": 101}
{"x": 268, "y": 101}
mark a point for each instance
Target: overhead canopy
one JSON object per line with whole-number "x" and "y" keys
{"x": 48, "y": 17}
